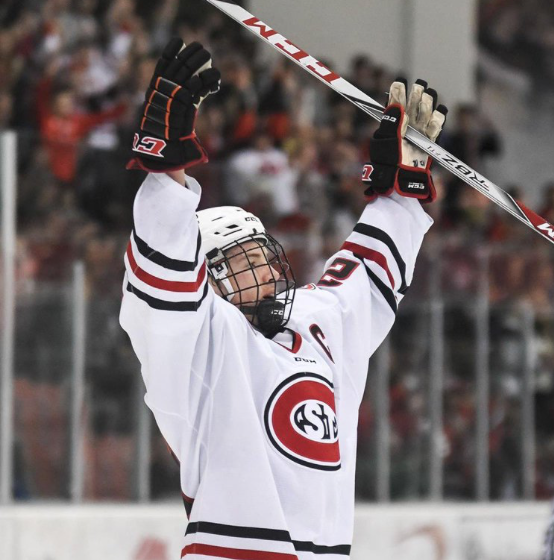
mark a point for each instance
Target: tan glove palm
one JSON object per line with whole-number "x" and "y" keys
{"x": 396, "y": 165}
{"x": 420, "y": 113}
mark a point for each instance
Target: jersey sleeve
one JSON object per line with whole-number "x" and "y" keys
{"x": 372, "y": 272}
{"x": 167, "y": 308}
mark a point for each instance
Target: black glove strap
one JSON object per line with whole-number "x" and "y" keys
{"x": 384, "y": 151}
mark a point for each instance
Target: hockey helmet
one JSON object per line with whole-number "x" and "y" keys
{"x": 231, "y": 235}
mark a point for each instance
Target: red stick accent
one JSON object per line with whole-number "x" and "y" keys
{"x": 264, "y": 29}
{"x": 370, "y": 255}
{"x": 234, "y": 553}
{"x": 168, "y": 285}
{"x": 541, "y": 225}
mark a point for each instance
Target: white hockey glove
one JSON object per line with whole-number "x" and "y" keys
{"x": 397, "y": 165}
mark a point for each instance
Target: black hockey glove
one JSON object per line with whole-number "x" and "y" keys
{"x": 166, "y": 140}
{"x": 397, "y": 165}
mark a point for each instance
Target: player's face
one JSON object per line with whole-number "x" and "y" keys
{"x": 251, "y": 273}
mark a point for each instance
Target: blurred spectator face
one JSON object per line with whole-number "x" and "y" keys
{"x": 100, "y": 253}
{"x": 28, "y": 23}
{"x": 64, "y": 104}
{"x": 465, "y": 118}
{"x": 145, "y": 71}
{"x": 382, "y": 81}
{"x": 6, "y": 104}
{"x": 362, "y": 72}
{"x": 6, "y": 43}
{"x": 57, "y": 6}
{"x": 87, "y": 6}
{"x": 513, "y": 275}
{"x": 56, "y": 227}
{"x": 343, "y": 156}
{"x": 121, "y": 10}
{"x": 236, "y": 72}
{"x": 545, "y": 274}
{"x": 263, "y": 142}
{"x": 306, "y": 157}
{"x": 82, "y": 57}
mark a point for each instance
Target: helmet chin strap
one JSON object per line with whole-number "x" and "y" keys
{"x": 227, "y": 286}
{"x": 219, "y": 272}
{"x": 267, "y": 315}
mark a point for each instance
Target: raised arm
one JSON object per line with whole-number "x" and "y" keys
{"x": 371, "y": 273}
{"x": 167, "y": 301}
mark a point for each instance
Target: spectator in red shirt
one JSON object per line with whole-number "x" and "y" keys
{"x": 63, "y": 127}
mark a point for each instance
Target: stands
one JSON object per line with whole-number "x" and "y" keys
{"x": 287, "y": 149}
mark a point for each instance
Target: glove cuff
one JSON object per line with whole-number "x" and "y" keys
{"x": 380, "y": 179}
{"x": 415, "y": 183}
{"x": 186, "y": 153}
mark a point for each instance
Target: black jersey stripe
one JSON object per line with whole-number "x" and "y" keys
{"x": 306, "y": 546}
{"x": 238, "y": 531}
{"x": 162, "y": 260}
{"x": 264, "y": 534}
{"x": 380, "y": 235}
{"x": 164, "y": 305}
{"x": 386, "y": 292}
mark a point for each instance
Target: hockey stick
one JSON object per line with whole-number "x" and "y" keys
{"x": 375, "y": 110}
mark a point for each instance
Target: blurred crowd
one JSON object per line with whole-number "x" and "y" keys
{"x": 521, "y": 34}
{"x": 283, "y": 146}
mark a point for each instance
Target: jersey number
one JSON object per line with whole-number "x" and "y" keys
{"x": 338, "y": 272}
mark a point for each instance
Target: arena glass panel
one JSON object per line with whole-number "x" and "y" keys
{"x": 42, "y": 343}
{"x": 403, "y": 362}
{"x": 43, "y": 361}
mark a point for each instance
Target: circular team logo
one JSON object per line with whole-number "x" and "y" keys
{"x": 301, "y": 421}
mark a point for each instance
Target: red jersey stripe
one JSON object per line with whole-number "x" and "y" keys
{"x": 168, "y": 285}
{"x": 234, "y": 553}
{"x": 370, "y": 255}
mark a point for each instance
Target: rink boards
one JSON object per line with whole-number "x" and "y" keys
{"x": 153, "y": 532}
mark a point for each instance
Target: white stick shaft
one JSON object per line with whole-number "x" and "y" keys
{"x": 375, "y": 110}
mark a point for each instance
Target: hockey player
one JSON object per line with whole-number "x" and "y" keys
{"x": 254, "y": 384}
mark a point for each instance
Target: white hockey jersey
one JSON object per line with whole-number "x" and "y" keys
{"x": 265, "y": 430}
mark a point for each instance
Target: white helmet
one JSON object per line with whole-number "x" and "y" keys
{"x": 224, "y": 227}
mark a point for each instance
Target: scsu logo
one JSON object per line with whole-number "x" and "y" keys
{"x": 316, "y": 420}
{"x": 301, "y": 421}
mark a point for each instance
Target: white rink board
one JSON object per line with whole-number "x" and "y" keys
{"x": 423, "y": 531}
{"x": 410, "y": 532}
{"x": 91, "y": 532}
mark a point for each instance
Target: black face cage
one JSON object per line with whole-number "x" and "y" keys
{"x": 254, "y": 274}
